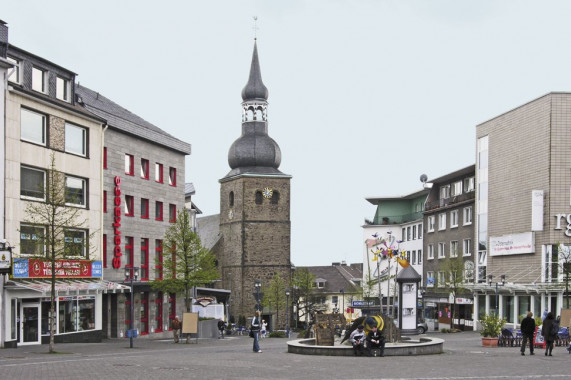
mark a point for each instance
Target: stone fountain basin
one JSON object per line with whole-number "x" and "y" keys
{"x": 408, "y": 347}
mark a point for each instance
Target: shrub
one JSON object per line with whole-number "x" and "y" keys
{"x": 277, "y": 334}
{"x": 301, "y": 334}
{"x": 491, "y": 325}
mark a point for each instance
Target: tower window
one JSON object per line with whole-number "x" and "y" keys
{"x": 231, "y": 199}
{"x": 259, "y": 197}
{"x": 275, "y": 198}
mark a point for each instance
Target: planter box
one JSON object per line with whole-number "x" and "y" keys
{"x": 489, "y": 342}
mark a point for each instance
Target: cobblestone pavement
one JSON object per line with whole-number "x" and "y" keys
{"x": 463, "y": 358}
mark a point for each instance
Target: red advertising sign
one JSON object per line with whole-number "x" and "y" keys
{"x": 117, "y": 224}
{"x": 64, "y": 268}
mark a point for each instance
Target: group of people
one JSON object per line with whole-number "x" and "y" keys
{"x": 374, "y": 340}
{"x": 549, "y": 331}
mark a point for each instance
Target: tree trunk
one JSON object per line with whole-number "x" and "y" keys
{"x": 51, "y": 322}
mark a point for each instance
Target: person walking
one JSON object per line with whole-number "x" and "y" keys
{"x": 264, "y": 329}
{"x": 549, "y": 331}
{"x": 255, "y": 328}
{"x": 176, "y": 325}
{"x": 527, "y": 332}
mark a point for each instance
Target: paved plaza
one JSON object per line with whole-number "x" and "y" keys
{"x": 232, "y": 358}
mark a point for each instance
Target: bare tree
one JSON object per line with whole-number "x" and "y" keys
{"x": 60, "y": 230}
{"x": 274, "y": 294}
{"x": 454, "y": 272}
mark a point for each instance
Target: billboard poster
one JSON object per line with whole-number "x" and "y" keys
{"x": 36, "y": 268}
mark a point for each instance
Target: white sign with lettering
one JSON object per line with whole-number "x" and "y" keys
{"x": 515, "y": 244}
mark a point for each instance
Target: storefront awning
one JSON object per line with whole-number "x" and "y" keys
{"x": 65, "y": 288}
{"x": 519, "y": 288}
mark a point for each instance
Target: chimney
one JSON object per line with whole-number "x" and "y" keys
{"x": 3, "y": 39}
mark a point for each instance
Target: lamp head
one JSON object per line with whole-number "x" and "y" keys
{"x": 490, "y": 279}
{"x": 503, "y": 277}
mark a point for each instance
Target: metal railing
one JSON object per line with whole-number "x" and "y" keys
{"x": 439, "y": 203}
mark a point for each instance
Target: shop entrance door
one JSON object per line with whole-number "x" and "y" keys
{"x": 30, "y": 323}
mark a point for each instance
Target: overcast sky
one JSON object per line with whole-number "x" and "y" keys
{"x": 365, "y": 96}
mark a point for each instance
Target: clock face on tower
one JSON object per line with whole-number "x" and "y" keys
{"x": 267, "y": 193}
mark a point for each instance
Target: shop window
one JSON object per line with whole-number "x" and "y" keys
{"x": 76, "y": 314}
{"x": 144, "y": 259}
{"x": 144, "y": 314}
{"x": 159, "y": 312}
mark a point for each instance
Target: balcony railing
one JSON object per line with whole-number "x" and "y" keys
{"x": 439, "y": 203}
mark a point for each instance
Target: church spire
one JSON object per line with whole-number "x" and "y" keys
{"x": 255, "y": 88}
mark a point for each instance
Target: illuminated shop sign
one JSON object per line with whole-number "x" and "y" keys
{"x": 117, "y": 224}
{"x": 36, "y": 268}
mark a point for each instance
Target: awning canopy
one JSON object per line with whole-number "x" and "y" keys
{"x": 71, "y": 287}
{"x": 509, "y": 287}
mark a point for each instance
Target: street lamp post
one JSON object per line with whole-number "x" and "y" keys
{"x": 287, "y": 312}
{"x": 503, "y": 279}
{"x": 257, "y": 286}
{"x": 132, "y": 273}
{"x": 343, "y": 300}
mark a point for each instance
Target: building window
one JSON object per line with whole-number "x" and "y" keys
{"x": 469, "y": 184}
{"x": 144, "y": 208}
{"x": 467, "y": 249}
{"x": 172, "y": 213}
{"x": 159, "y": 172}
{"x": 413, "y": 257}
{"x": 430, "y": 252}
{"x": 467, "y": 215}
{"x": 172, "y": 308}
{"x": 408, "y": 236}
{"x": 159, "y": 259}
{"x": 442, "y": 221}
{"x": 413, "y": 232}
{"x": 144, "y": 317}
{"x": 430, "y": 221}
{"x": 275, "y": 197}
{"x": 104, "y": 251}
{"x": 144, "y": 168}
{"x": 231, "y": 199}
{"x": 429, "y": 279}
{"x": 129, "y": 164}
{"x": 454, "y": 248}
{"x": 158, "y": 210}
{"x": 551, "y": 263}
{"x": 403, "y": 234}
{"x": 129, "y": 205}
{"x": 144, "y": 259}
{"x": 259, "y": 197}
{"x": 441, "y": 279}
{"x": 32, "y": 126}
{"x": 441, "y": 250}
{"x": 104, "y": 201}
{"x": 419, "y": 229}
{"x": 445, "y": 192}
{"x": 172, "y": 176}
{"x": 75, "y": 191}
{"x": 32, "y": 183}
{"x": 419, "y": 253}
{"x": 456, "y": 188}
{"x": 453, "y": 218}
{"x": 63, "y": 89}
{"x": 39, "y": 80}
{"x": 159, "y": 312}
{"x": 75, "y": 243}
{"x": 129, "y": 253}
{"x": 15, "y": 71}
{"x": 32, "y": 240}
{"x": 75, "y": 139}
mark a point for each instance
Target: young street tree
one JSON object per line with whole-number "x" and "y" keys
{"x": 274, "y": 295}
{"x": 303, "y": 283}
{"x": 57, "y": 229}
{"x": 454, "y": 273}
{"x": 186, "y": 263}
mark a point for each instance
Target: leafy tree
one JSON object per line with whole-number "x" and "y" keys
{"x": 564, "y": 263}
{"x": 54, "y": 221}
{"x": 274, "y": 294}
{"x": 454, "y": 271}
{"x": 186, "y": 263}
{"x": 303, "y": 283}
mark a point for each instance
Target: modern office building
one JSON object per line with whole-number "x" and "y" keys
{"x": 523, "y": 218}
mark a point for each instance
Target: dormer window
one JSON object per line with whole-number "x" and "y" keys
{"x": 63, "y": 89}
{"x": 39, "y": 82}
{"x": 445, "y": 192}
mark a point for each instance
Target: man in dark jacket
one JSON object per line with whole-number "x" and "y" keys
{"x": 527, "y": 332}
{"x": 549, "y": 331}
{"x": 375, "y": 340}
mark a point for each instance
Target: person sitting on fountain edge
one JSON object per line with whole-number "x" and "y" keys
{"x": 375, "y": 340}
{"x": 357, "y": 339}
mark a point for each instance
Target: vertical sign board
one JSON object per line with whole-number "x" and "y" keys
{"x": 537, "y": 210}
{"x": 190, "y": 323}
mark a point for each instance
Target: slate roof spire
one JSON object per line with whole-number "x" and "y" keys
{"x": 255, "y": 88}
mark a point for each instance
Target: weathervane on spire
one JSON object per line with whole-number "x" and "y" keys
{"x": 255, "y": 27}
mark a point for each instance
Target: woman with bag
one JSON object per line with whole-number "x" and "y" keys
{"x": 549, "y": 331}
{"x": 255, "y": 331}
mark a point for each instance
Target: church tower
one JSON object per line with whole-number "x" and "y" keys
{"x": 254, "y": 207}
